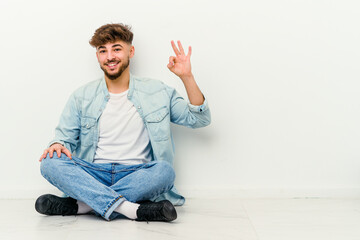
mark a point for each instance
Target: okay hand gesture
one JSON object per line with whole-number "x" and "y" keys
{"x": 180, "y": 64}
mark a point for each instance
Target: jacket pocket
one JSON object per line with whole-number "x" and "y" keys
{"x": 158, "y": 124}
{"x": 87, "y": 131}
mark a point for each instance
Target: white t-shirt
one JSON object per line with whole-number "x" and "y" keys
{"x": 123, "y": 137}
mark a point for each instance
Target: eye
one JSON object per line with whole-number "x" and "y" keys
{"x": 102, "y": 51}
{"x": 117, "y": 49}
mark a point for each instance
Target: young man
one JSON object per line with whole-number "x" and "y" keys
{"x": 113, "y": 149}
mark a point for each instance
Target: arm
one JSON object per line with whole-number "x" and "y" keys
{"x": 197, "y": 113}
{"x": 67, "y": 131}
{"x": 185, "y": 114}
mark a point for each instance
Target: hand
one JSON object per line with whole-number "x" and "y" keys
{"x": 180, "y": 65}
{"x": 55, "y": 147}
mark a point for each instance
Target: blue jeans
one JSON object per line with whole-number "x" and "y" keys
{"x": 105, "y": 186}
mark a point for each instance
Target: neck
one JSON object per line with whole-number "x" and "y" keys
{"x": 120, "y": 84}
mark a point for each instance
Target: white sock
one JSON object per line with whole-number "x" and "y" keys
{"x": 83, "y": 208}
{"x": 128, "y": 209}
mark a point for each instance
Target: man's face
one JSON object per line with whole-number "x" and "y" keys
{"x": 114, "y": 58}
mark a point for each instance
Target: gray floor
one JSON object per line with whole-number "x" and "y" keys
{"x": 264, "y": 219}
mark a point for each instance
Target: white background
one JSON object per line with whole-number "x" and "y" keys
{"x": 281, "y": 77}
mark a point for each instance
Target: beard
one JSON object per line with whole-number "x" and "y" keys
{"x": 117, "y": 74}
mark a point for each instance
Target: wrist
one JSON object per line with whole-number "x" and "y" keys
{"x": 187, "y": 77}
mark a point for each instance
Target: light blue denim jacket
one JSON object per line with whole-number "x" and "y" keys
{"x": 157, "y": 104}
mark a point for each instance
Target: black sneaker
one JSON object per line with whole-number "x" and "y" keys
{"x": 156, "y": 211}
{"x": 49, "y": 204}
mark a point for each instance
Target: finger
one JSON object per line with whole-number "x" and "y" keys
{"x": 189, "y": 52}
{"x": 170, "y": 65}
{"x": 58, "y": 151}
{"x": 67, "y": 153}
{"x": 171, "y": 62}
{"x": 41, "y": 157}
{"x": 175, "y": 48}
{"x": 51, "y": 151}
{"x": 45, "y": 152}
{"x": 181, "y": 48}
{"x": 172, "y": 59}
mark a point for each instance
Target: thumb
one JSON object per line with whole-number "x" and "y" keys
{"x": 171, "y": 62}
{"x": 170, "y": 65}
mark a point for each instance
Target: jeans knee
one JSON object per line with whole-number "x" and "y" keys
{"x": 45, "y": 166}
{"x": 50, "y": 165}
{"x": 166, "y": 170}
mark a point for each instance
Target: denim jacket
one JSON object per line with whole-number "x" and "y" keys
{"x": 157, "y": 104}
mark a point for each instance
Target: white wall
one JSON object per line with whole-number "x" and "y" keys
{"x": 281, "y": 77}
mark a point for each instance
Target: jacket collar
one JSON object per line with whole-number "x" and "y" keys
{"x": 104, "y": 89}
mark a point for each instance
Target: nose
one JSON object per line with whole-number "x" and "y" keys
{"x": 110, "y": 55}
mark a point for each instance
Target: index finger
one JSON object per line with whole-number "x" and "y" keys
{"x": 175, "y": 48}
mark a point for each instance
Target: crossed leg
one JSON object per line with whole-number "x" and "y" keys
{"x": 104, "y": 187}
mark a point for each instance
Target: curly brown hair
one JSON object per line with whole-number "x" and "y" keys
{"x": 110, "y": 33}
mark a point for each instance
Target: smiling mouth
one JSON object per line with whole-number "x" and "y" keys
{"x": 112, "y": 65}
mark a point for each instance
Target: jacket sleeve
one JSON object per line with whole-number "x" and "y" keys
{"x": 186, "y": 114}
{"x": 68, "y": 130}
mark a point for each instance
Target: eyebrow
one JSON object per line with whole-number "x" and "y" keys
{"x": 113, "y": 46}
{"x": 117, "y": 45}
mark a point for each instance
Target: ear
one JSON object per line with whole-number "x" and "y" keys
{"x": 132, "y": 51}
